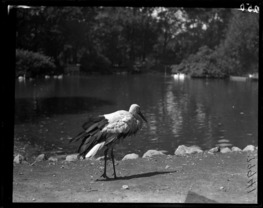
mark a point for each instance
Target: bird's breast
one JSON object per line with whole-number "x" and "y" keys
{"x": 122, "y": 122}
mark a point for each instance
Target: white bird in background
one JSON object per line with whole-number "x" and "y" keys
{"x": 107, "y": 130}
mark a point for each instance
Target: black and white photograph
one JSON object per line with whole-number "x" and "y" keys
{"x": 135, "y": 104}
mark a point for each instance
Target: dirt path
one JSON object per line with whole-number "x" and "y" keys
{"x": 199, "y": 178}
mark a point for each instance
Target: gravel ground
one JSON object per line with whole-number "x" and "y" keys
{"x": 197, "y": 178}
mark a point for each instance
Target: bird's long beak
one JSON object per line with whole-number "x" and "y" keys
{"x": 140, "y": 114}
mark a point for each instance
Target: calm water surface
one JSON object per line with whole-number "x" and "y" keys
{"x": 190, "y": 111}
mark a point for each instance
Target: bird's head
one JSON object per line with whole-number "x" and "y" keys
{"x": 135, "y": 109}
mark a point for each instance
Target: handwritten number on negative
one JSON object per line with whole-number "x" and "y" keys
{"x": 250, "y": 8}
{"x": 250, "y": 174}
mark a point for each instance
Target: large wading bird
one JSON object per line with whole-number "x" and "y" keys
{"x": 108, "y": 130}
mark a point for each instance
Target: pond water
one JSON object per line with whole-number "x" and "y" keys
{"x": 190, "y": 111}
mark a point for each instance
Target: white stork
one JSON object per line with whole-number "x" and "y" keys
{"x": 107, "y": 130}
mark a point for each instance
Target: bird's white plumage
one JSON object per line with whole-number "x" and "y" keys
{"x": 122, "y": 122}
{"x": 94, "y": 150}
{"x": 115, "y": 116}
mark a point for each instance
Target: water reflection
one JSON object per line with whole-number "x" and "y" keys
{"x": 174, "y": 111}
{"x": 189, "y": 111}
{"x": 28, "y": 110}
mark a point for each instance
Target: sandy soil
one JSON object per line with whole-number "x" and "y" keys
{"x": 198, "y": 178}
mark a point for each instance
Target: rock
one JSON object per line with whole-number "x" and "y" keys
{"x": 25, "y": 162}
{"x": 72, "y": 157}
{"x": 19, "y": 159}
{"x": 213, "y": 150}
{"x": 235, "y": 149}
{"x": 56, "y": 152}
{"x": 100, "y": 158}
{"x": 183, "y": 150}
{"x": 249, "y": 148}
{"x": 41, "y": 157}
{"x": 163, "y": 151}
{"x": 225, "y": 150}
{"x": 61, "y": 157}
{"x": 169, "y": 156}
{"x": 223, "y": 140}
{"x": 52, "y": 159}
{"x": 151, "y": 153}
{"x": 167, "y": 166}
{"x": 193, "y": 149}
{"x": 224, "y": 145}
{"x": 68, "y": 137}
{"x": 130, "y": 156}
{"x": 125, "y": 187}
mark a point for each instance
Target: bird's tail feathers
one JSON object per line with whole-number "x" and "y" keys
{"x": 94, "y": 150}
{"x": 81, "y": 135}
{"x": 90, "y": 141}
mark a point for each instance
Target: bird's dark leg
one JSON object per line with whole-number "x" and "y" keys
{"x": 112, "y": 157}
{"x": 105, "y": 164}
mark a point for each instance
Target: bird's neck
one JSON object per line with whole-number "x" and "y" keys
{"x": 137, "y": 117}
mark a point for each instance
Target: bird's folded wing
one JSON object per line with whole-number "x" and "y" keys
{"x": 116, "y": 127}
{"x": 120, "y": 129}
{"x": 91, "y": 127}
{"x": 95, "y": 122}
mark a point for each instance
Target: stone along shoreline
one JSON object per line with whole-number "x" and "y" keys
{"x": 182, "y": 150}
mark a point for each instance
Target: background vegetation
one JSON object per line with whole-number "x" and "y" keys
{"x": 33, "y": 64}
{"x": 201, "y": 42}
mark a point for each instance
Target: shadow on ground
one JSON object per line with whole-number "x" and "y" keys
{"x": 141, "y": 175}
{"x": 193, "y": 197}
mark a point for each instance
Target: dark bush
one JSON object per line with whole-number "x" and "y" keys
{"x": 33, "y": 64}
{"x": 94, "y": 63}
{"x": 205, "y": 63}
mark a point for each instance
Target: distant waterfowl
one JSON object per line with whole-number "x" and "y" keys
{"x": 60, "y": 76}
{"x": 179, "y": 76}
{"x": 21, "y": 78}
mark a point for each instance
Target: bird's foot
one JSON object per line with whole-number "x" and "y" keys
{"x": 104, "y": 176}
{"x": 115, "y": 176}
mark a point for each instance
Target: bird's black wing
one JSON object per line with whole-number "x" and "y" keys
{"x": 91, "y": 121}
{"x": 91, "y": 135}
{"x": 90, "y": 128}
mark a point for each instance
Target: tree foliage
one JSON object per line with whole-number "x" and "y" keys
{"x": 235, "y": 54}
{"x": 33, "y": 64}
{"x": 199, "y": 41}
{"x": 240, "y": 47}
